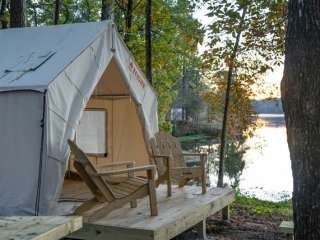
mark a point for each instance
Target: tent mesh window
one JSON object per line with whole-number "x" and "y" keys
{"x": 91, "y": 134}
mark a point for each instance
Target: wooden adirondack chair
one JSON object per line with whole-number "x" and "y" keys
{"x": 169, "y": 159}
{"x": 109, "y": 194}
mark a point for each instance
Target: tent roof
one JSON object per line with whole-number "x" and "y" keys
{"x": 32, "y": 57}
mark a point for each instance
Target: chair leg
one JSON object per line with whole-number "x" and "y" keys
{"x": 183, "y": 181}
{"x": 203, "y": 183}
{"x": 152, "y": 193}
{"x": 169, "y": 185}
{"x": 168, "y": 177}
{"x": 153, "y": 200}
{"x": 203, "y": 175}
{"x": 169, "y": 189}
{"x": 133, "y": 204}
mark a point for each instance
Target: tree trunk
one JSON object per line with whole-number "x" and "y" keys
{"x": 300, "y": 89}
{"x": 57, "y": 12}
{"x": 227, "y": 99}
{"x": 106, "y": 9}
{"x": 17, "y": 13}
{"x": 128, "y": 20}
{"x": 4, "y": 22}
{"x": 148, "y": 16}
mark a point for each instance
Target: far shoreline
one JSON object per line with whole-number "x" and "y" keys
{"x": 272, "y": 119}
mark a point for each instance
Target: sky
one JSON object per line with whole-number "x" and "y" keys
{"x": 272, "y": 79}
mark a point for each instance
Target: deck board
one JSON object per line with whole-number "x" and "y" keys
{"x": 186, "y": 208}
{"x": 38, "y": 228}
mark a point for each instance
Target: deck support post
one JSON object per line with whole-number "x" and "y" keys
{"x": 226, "y": 213}
{"x": 201, "y": 228}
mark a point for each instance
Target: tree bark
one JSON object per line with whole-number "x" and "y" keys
{"x": 128, "y": 20}
{"x": 300, "y": 89}
{"x": 148, "y": 40}
{"x": 17, "y": 13}
{"x": 57, "y": 12}
{"x": 106, "y": 9}
{"x": 4, "y": 22}
{"x": 227, "y": 99}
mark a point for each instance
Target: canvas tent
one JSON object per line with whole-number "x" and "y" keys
{"x": 48, "y": 77}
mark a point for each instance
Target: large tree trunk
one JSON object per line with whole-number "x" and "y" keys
{"x": 17, "y": 13}
{"x": 4, "y": 22}
{"x": 300, "y": 89}
{"x": 148, "y": 26}
{"x": 57, "y": 12}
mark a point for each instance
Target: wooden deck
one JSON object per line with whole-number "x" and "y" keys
{"x": 186, "y": 208}
{"x": 38, "y": 228}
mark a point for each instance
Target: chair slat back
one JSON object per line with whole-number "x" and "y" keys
{"x": 99, "y": 188}
{"x": 165, "y": 144}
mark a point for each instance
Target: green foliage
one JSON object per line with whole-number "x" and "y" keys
{"x": 263, "y": 34}
{"x": 261, "y": 25}
{"x": 234, "y": 163}
{"x": 175, "y": 37}
{"x": 256, "y": 206}
{"x": 240, "y": 112}
{"x": 261, "y": 49}
{"x": 41, "y": 12}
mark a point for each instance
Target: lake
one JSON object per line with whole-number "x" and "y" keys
{"x": 267, "y": 174}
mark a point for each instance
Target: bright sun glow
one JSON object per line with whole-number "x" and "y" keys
{"x": 272, "y": 79}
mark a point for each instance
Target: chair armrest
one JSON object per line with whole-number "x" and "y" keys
{"x": 161, "y": 156}
{"x": 185, "y": 168}
{"x": 195, "y": 154}
{"x": 117, "y": 164}
{"x": 127, "y": 170}
{"x": 202, "y": 157}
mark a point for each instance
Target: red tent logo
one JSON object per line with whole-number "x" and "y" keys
{"x": 136, "y": 74}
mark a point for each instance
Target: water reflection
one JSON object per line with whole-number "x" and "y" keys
{"x": 267, "y": 174}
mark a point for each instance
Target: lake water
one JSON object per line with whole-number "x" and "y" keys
{"x": 267, "y": 174}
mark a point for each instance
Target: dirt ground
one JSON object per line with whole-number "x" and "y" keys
{"x": 241, "y": 226}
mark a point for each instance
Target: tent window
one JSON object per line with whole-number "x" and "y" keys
{"x": 91, "y": 135}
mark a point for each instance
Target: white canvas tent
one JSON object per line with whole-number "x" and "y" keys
{"x": 48, "y": 76}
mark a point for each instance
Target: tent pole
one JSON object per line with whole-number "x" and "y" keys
{"x": 42, "y": 125}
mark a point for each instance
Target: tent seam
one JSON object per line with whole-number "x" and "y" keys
{"x": 76, "y": 57}
{"x": 54, "y": 158}
{"x": 73, "y": 84}
{"x": 62, "y": 118}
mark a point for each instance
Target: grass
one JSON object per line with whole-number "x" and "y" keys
{"x": 261, "y": 207}
{"x": 192, "y": 138}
